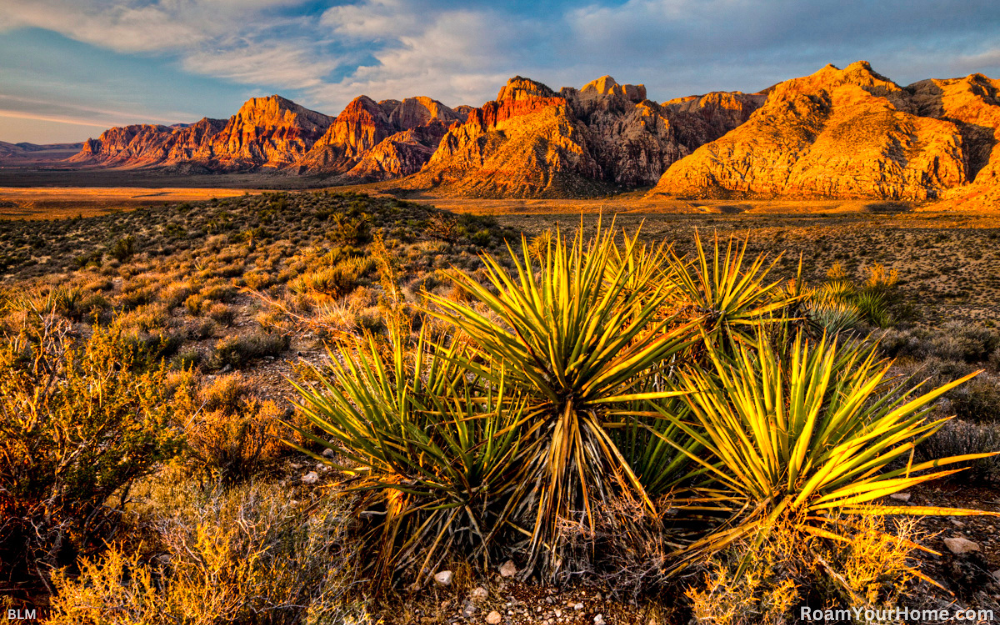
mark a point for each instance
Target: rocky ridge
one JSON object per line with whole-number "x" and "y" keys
{"x": 838, "y": 133}
{"x": 849, "y": 133}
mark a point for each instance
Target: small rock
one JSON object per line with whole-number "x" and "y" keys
{"x": 578, "y": 606}
{"x": 310, "y": 478}
{"x": 508, "y": 569}
{"x": 494, "y": 618}
{"x": 960, "y": 545}
{"x": 599, "y": 620}
{"x": 443, "y": 578}
{"x": 996, "y": 575}
{"x": 469, "y": 609}
{"x": 329, "y": 453}
{"x": 901, "y": 496}
{"x": 957, "y": 523}
{"x": 480, "y": 594}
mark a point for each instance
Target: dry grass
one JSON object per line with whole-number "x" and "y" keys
{"x": 64, "y": 202}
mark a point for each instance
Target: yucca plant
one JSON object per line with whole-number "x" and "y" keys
{"x": 574, "y": 340}
{"x": 430, "y": 449}
{"x": 732, "y": 298}
{"x": 803, "y": 434}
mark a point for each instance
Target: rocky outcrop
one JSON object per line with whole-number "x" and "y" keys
{"x": 266, "y": 132}
{"x": 355, "y": 139}
{"x": 135, "y": 145}
{"x": 847, "y": 133}
{"x": 532, "y": 141}
{"x": 398, "y": 155}
{"x": 973, "y": 105}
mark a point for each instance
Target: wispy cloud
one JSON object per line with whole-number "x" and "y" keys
{"x": 461, "y": 51}
{"x": 51, "y": 118}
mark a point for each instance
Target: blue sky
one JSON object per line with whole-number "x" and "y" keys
{"x": 69, "y": 68}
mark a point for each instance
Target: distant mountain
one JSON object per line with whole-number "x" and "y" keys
{"x": 532, "y": 141}
{"x": 838, "y": 133}
{"x": 31, "y": 154}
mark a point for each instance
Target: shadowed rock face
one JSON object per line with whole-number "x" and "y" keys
{"x": 532, "y": 141}
{"x": 849, "y": 133}
{"x": 364, "y": 125}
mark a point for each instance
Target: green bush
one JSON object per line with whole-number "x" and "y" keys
{"x": 237, "y": 351}
{"x": 79, "y": 422}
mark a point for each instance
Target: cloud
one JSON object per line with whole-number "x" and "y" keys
{"x": 278, "y": 64}
{"x": 51, "y": 119}
{"x": 461, "y": 51}
{"x": 245, "y": 41}
{"x": 457, "y": 55}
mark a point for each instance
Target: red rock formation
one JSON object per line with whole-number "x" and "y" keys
{"x": 268, "y": 132}
{"x": 837, "y": 133}
{"x": 364, "y": 125}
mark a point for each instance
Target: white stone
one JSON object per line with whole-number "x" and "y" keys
{"x": 901, "y": 496}
{"x": 329, "y": 453}
{"x": 494, "y": 618}
{"x": 508, "y": 569}
{"x": 960, "y": 545}
{"x": 599, "y": 620}
{"x": 310, "y": 478}
{"x": 480, "y": 594}
{"x": 578, "y": 606}
{"x": 443, "y": 578}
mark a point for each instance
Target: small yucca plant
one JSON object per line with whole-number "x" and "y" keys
{"x": 429, "y": 448}
{"x": 730, "y": 297}
{"x": 574, "y": 337}
{"x": 804, "y": 434}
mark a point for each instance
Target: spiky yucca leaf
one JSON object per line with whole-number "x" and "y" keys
{"x": 574, "y": 340}
{"x": 805, "y": 435}
{"x": 732, "y": 298}
{"x": 430, "y": 449}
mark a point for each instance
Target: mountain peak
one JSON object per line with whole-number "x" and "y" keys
{"x": 275, "y": 110}
{"x": 521, "y": 88}
{"x": 606, "y": 85}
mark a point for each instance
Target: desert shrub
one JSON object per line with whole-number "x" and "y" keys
{"x": 350, "y": 228}
{"x": 79, "y": 422}
{"x": 123, "y": 249}
{"x": 241, "y": 555}
{"x": 962, "y": 437}
{"x": 763, "y": 582}
{"x": 237, "y": 351}
{"x": 194, "y": 303}
{"x": 335, "y": 281}
{"x": 176, "y": 293}
{"x": 221, "y": 314}
{"x": 628, "y": 378}
{"x": 231, "y": 434}
{"x": 888, "y": 207}
{"x": 218, "y": 292}
{"x": 979, "y": 400}
{"x": 257, "y": 280}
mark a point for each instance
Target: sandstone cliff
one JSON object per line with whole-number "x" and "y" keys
{"x": 265, "y": 132}
{"x": 354, "y": 139}
{"x": 973, "y": 105}
{"x": 532, "y": 141}
{"x": 847, "y": 133}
